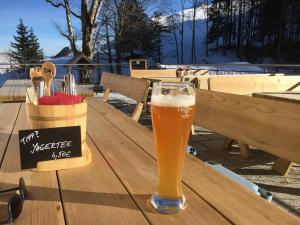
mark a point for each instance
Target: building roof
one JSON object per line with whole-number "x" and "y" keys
{"x": 80, "y": 59}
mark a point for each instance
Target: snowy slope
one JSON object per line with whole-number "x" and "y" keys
{"x": 169, "y": 47}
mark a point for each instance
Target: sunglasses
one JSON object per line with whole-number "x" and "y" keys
{"x": 15, "y": 203}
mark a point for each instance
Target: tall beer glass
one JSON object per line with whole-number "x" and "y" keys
{"x": 172, "y": 111}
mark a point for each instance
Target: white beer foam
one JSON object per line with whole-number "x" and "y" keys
{"x": 173, "y": 101}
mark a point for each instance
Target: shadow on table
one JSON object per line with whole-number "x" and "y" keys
{"x": 254, "y": 172}
{"x": 3, "y": 206}
{"x": 280, "y": 189}
{"x": 119, "y": 200}
{"x": 290, "y": 209}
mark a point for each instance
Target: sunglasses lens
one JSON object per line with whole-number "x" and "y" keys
{"x": 23, "y": 190}
{"x": 15, "y": 205}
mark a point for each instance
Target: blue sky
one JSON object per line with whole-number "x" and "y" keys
{"x": 40, "y": 16}
{"x": 36, "y": 14}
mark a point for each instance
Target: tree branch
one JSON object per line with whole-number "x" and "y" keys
{"x": 57, "y": 5}
{"x": 94, "y": 11}
{"x": 60, "y": 30}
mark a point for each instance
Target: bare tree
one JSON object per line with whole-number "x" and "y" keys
{"x": 88, "y": 17}
{"x": 172, "y": 22}
{"x": 182, "y": 29}
{"x": 206, "y": 7}
{"x": 195, "y": 5}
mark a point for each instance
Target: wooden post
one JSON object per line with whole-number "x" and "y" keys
{"x": 193, "y": 130}
{"x": 137, "y": 111}
{"x": 245, "y": 150}
{"x": 282, "y": 166}
{"x": 227, "y": 143}
{"x": 105, "y": 95}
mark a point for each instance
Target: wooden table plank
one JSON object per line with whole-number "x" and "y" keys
{"x": 137, "y": 171}
{"x": 288, "y": 96}
{"x": 7, "y": 90}
{"x": 20, "y": 90}
{"x": 8, "y": 115}
{"x": 43, "y": 205}
{"x": 238, "y": 204}
{"x": 93, "y": 195}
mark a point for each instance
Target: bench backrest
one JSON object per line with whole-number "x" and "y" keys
{"x": 270, "y": 125}
{"x": 204, "y": 80}
{"x": 245, "y": 85}
{"x": 133, "y": 88}
{"x": 153, "y": 73}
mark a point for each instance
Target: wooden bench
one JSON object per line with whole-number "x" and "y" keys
{"x": 136, "y": 89}
{"x": 246, "y": 85}
{"x": 270, "y": 125}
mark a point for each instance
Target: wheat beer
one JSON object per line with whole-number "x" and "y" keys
{"x": 172, "y": 116}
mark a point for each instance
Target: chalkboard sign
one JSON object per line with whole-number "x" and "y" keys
{"x": 138, "y": 64}
{"x": 48, "y": 144}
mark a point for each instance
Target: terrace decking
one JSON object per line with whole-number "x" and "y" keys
{"x": 15, "y": 91}
{"x": 115, "y": 188}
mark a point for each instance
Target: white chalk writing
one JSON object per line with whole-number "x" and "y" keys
{"x": 54, "y": 145}
{"x": 30, "y": 137}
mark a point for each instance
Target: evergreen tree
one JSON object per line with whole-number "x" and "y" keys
{"x": 25, "y": 48}
{"x": 257, "y": 29}
{"x": 133, "y": 30}
{"x": 36, "y": 53}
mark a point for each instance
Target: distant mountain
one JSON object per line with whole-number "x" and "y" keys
{"x": 64, "y": 52}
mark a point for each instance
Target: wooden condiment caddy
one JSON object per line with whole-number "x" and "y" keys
{"x": 52, "y": 116}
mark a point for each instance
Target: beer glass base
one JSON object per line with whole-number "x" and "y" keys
{"x": 168, "y": 206}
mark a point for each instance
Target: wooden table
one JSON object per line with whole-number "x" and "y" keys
{"x": 281, "y": 165}
{"x": 115, "y": 188}
{"x": 15, "y": 91}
